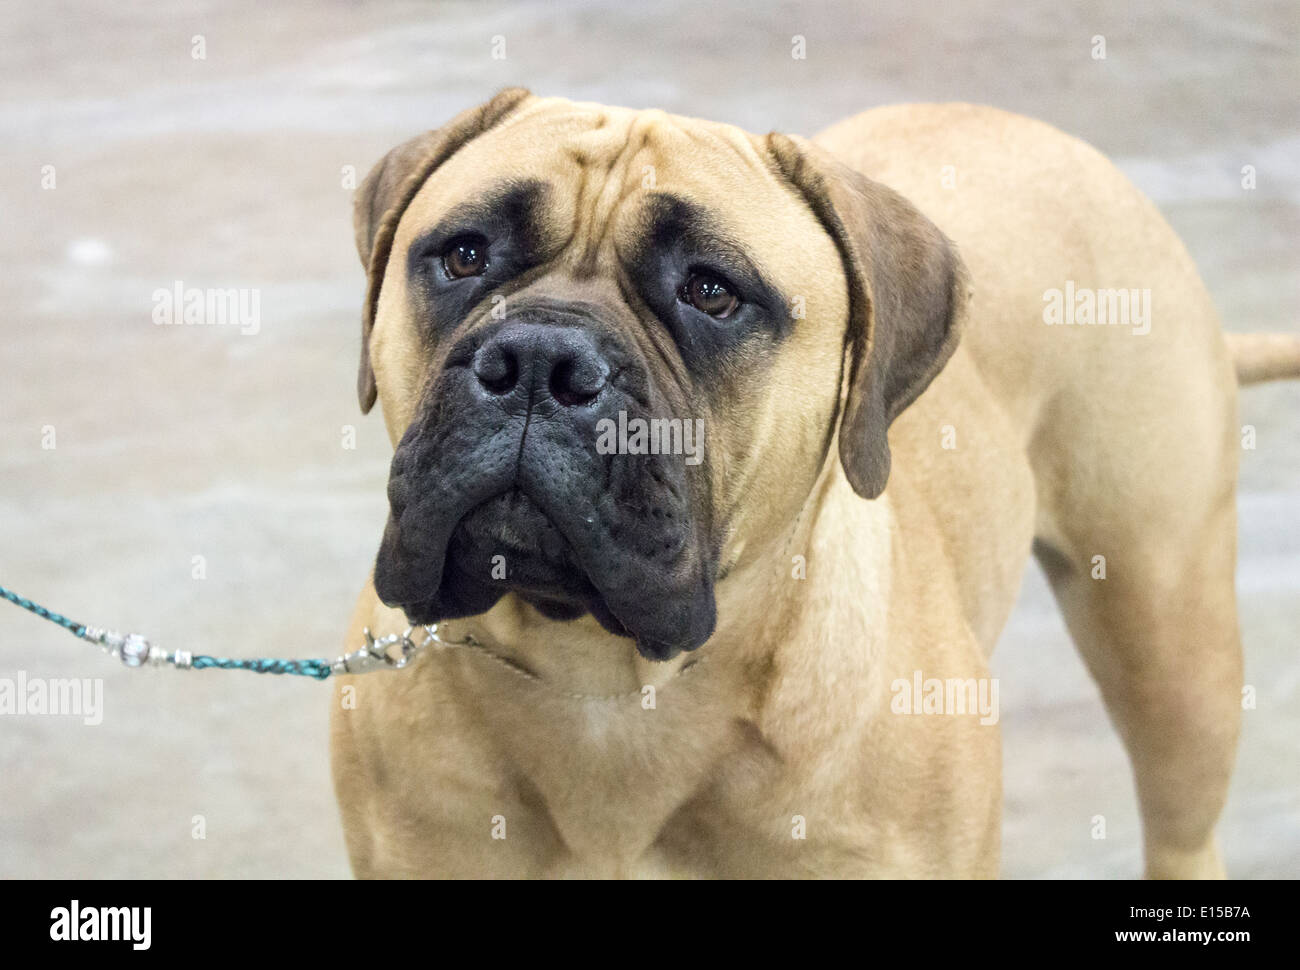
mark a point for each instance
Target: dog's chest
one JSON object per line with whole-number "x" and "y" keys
{"x": 610, "y": 772}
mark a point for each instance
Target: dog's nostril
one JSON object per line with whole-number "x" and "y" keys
{"x": 572, "y": 385}
{"x": 562, "y": 364}
{"x": 497, "y": 369}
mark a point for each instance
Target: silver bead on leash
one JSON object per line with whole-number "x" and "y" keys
{"x": 134, "y": 650}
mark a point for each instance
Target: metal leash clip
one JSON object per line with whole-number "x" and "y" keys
{"x": 378, "y": 653}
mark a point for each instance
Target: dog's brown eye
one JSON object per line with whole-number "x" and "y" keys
{"x": 465, "y": 256}
{"x": 710, "y": 294}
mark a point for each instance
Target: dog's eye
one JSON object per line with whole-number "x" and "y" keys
{"x": 465, "y": 256}
{"x": 710, "y": 294}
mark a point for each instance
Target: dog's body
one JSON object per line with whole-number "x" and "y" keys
{"x": 777, "y": 749}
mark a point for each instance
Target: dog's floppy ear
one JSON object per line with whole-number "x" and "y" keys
{"x": 908, "y": 290}
{"x": 385, "y": 193}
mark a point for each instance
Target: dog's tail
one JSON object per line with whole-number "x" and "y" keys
{"x": 1260, "y": 357}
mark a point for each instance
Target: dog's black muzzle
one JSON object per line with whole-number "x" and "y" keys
{"x": 499, "y": 485}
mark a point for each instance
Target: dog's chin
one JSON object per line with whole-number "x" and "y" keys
{"x": 509, "y": 544}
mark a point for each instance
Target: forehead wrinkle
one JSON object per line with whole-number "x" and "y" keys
{"x": 607, "y": 180}
{"x": 707, "y": 145}
{"x": 602, "y": 148}
{"x": 733, "y": 140}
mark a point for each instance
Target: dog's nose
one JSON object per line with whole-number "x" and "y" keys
{"x": 542, "y": 360}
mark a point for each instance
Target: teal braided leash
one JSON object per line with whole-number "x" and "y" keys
{"x": 134, "y": 650}
{"x": 78, "y": 629}
{"x": 392, "y": 652}
{"x": 320, "y": 669}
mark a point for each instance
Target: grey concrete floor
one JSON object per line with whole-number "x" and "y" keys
{"x": 177, "y": 442}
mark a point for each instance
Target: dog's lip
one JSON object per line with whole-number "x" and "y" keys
{"x": 573, "y": 564}
{"x": 522, "y": 504}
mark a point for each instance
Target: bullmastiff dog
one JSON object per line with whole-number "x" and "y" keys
{"x": 879, "y": 369}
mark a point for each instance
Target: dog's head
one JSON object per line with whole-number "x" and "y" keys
{"x": 610, "y": 347}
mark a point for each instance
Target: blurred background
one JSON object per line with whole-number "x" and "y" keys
{"x": 195, "y": 483}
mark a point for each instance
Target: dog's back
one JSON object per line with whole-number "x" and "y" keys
{"x": 1113, "y": 390}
